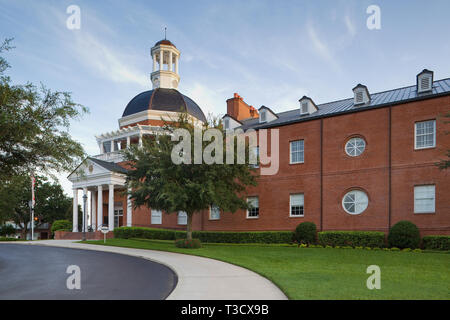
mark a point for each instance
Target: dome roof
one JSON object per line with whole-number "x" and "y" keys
{"x": 164, "y": 100}
{"x": 165, "y": 41}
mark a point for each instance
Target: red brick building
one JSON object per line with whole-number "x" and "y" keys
{"x": 362, "y": 163}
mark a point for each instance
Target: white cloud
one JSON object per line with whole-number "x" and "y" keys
{"x": 350, "y": 26}
{"x": 320, "y": 47}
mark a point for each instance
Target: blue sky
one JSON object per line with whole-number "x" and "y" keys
{"x": 270, "y": 52}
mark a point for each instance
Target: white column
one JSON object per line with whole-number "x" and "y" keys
{"x": 170, "y": 61}
{"x": 154, "y": 62}
{"x": 112, "y": 146}
{"x": 161, "y": 53}
{"x": 129, "y": 211}
{"x": 93, "y": 211}
{"x": 75, "y": 211}
{"x": 128, "y": 141}
{"x": 140, "y": 140}
{"x": 100, "y": 205}
{"x": 176, "y": 64}
{"x": 111, "y": 208}
{"x": 83, "y": 208}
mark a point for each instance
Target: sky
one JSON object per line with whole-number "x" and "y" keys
{"x": 270, "y": 52}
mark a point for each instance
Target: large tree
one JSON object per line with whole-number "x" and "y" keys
{"x": 159, "y": 183}
{"x": 34, "y": 125}
{"x": 51, "y": 202}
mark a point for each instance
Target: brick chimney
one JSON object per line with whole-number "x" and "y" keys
{"x": 238, "y": 109}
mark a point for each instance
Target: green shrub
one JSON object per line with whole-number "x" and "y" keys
{"x": 9, "y": 239}
{"x": 303, "y": 245}
{"x": 417, "y": 250}
{"x": 351, "y": 238}
{"x": 395, "y": 249}
{"x": 306, "y": 232}
{"x": 6, "y": 230}
{"x": 407, "y": 250}
{"x": 188, "y": 244}
{"x": 436, "y": 242}
{"x": 206, "y": 236}
{"x": 61, "y": 225}
{"x": 404, "y": 234}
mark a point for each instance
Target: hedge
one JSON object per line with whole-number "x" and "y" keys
{"x": 352, "y": 238}
{"x": 436, "y": 242}
{"x": 61, "y": 225}
{"x": 206, "y": 236}
{"x": 404, "y": 234}
{"x": 306, "y": 232}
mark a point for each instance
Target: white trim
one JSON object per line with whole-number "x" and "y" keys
{"x": 434, "y": 135}
{"x": 253, "y": 217}
{"x": 290, "y": 205}
{"x": 210, "y": 216}
{"x": 178, "y": 218}
{"x": 151, "y": 216}
{"x": 434, "y": 199}
{"x": 290, "y": 152}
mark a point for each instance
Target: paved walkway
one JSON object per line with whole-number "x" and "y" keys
{"x": 198, "y": 278}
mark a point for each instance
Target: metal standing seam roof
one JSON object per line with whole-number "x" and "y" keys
{"x": 111, "y": 166}
{"x": 164, "y": 100}
{"x": 380, "y": 99}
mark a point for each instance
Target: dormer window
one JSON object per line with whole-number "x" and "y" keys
{"x": 307, "y": 106}
{"x": 425, "y": 81}
{"x": 262, "y": 116}
{"x": 266, "y": 114}
{"x": 361, "y": 95}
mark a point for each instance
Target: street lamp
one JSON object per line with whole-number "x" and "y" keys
{"x": 30, "y": 204}
{"x": 84, "y": 216}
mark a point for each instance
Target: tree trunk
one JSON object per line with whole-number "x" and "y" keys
{"x": 189, "y": 226}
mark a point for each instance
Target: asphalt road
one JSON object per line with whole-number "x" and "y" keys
{"x": 39, "y": 272}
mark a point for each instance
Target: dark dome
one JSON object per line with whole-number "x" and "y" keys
{"x": 166, "y": 42}
{"x": 164, "y": 100}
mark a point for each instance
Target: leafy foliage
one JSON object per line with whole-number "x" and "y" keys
{"x": 306, "y": 232}
{"x": 34, "y": 127}
{"x": 404, "y": 234}
{"x": 188, "y": 244}
{"x": 7, "y": 230}
{"x": 436, "y": 242}
{"x": 205, "y": 236}
{"x": 15, "y": 194}
{"x": 158, "y": 183}
{"x": 356, "y": 239}
{"x": 61, "y": 225}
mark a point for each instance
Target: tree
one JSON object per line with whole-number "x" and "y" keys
{"x": 445, "y": 163}
{"x": 51, "y": 202}
{"x": 34, "y": 127}
{"x": 158, "y": 183}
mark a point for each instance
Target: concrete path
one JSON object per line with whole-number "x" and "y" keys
{"x": 198, "y": 278}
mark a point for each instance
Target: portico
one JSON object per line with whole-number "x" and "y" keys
{"x": 104, "y": 183}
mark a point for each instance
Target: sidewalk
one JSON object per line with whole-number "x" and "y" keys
{"x": 198, "y": 278}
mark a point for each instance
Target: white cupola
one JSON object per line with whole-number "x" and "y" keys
{"x": 425, "y": 81}
{"x": 165, "y": 65}
{"x": 361, "y": 95}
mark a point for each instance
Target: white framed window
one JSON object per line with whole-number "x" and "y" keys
{"x": 355, "y": 202}
{"x": 297, "y": 151}
{"x": 304, "y": 108}
{"x": 156, "y": 216}
{"x": 118, "y": 214}
{"x": 425, "y": 134}
{"x": 296, "y": 205}
{"x": 214, "y": 212}
{"x": 355, "y": 146}
{"x": 256, "y": 155}
{"x": 182, "y": 218}
{"x": 424, "y": 199}
{"x": 253, "y": 212}
{"x": 262, "y": 116}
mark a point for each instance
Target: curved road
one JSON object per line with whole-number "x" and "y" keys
{"x": 39, "y": 272}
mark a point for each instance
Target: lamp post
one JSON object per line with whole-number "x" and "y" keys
{"x": 84, "y": 216}
{"x": 30, "y": 203}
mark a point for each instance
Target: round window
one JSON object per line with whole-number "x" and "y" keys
{"x": 355, "y": 202}
{"x": 355, "y": 146}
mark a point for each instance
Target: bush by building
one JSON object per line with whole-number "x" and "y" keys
{"x": 351, "y": 238}
{"x": 306, "y": 232}
{"x": 436, "y": 242}
{"x": 61, "y": 225}
{"x": 404, "y": 234}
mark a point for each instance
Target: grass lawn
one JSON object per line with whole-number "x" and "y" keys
{"x": 319, "y": 273}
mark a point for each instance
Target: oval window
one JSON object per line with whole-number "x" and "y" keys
{"x": 355, "y": 146}
{"x": 355, "y": 202}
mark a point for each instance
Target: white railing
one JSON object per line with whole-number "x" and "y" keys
{"x": 114, "y": 156}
